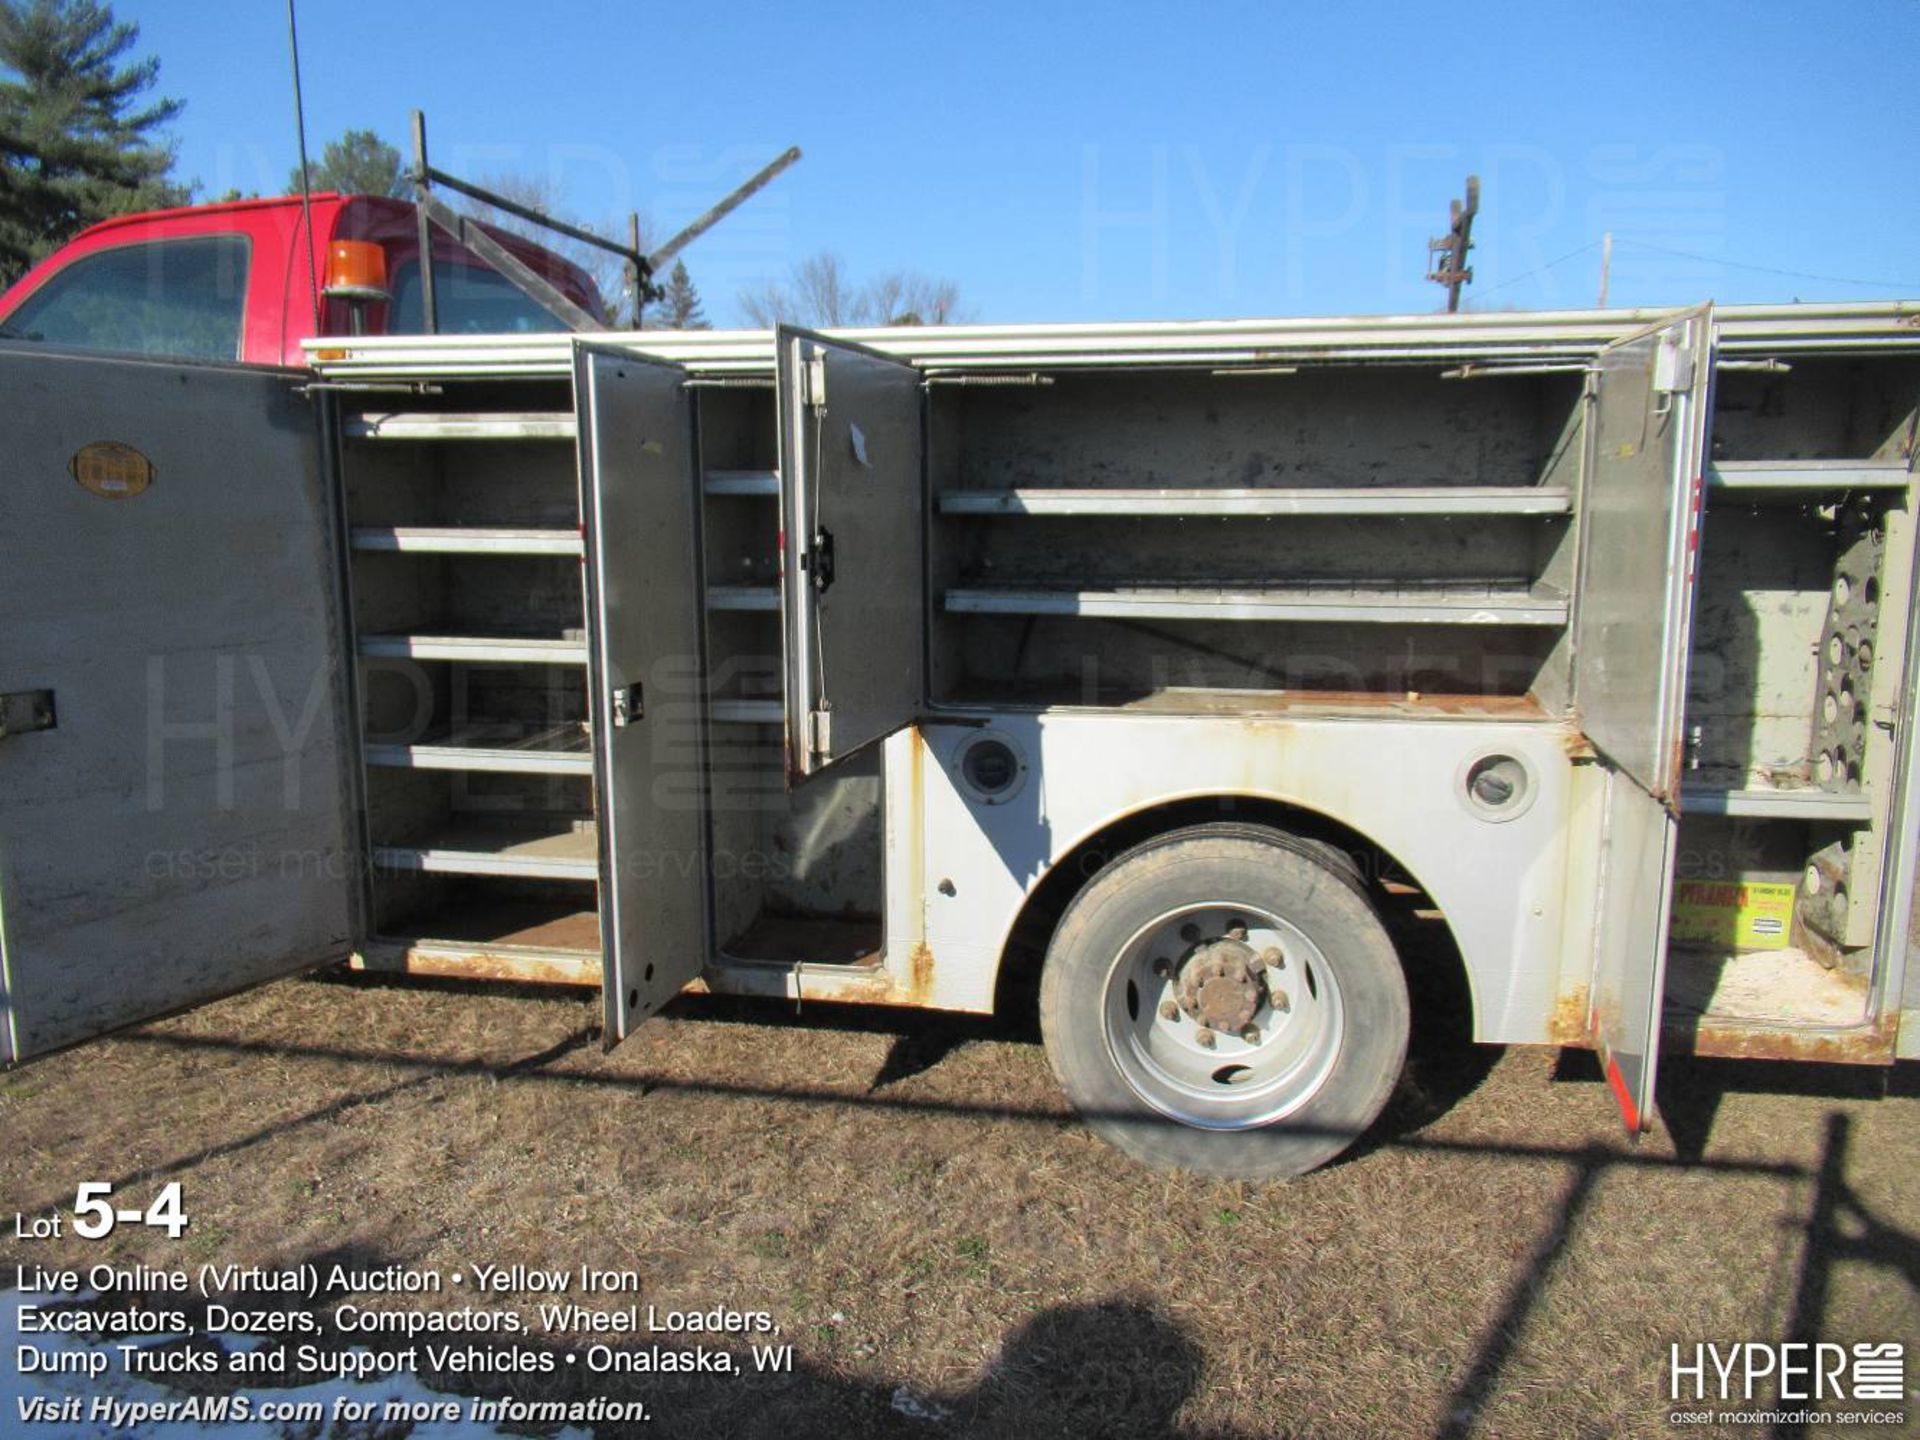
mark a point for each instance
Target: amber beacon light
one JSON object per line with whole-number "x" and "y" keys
{"x": 356, "y": 270}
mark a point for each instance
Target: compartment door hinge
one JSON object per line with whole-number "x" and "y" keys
{"x": 820, "y": 732}
{"x": 814, "y": 381}
{"x": 1672, "y": 367}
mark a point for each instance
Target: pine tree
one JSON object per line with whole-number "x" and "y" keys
{"x": 358, "y": 163}
{"x": 78, "y": 143}
{"x": 680, "y": 308}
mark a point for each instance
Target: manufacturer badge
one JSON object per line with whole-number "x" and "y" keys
{"x": 111, "y": 470}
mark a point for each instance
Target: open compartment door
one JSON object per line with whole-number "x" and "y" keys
{"x": 1633, "y": 616}
{"x": 645, "y": 676}
{"x": 177, "y": 819}
{"x": 854, "y": 564}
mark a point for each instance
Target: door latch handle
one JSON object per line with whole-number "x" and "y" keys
{"x": 24, "y": 711}
{"x": 628, "y": 705}
{"x": 818, "y": 561}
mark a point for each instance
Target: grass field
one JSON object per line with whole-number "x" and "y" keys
{"x": 950, "y": 1254}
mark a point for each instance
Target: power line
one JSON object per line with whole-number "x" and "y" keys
{"x": 1769, "y": 269}
{"x": 1540, "y": 270}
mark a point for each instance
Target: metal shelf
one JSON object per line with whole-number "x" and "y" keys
{"x": 747, "y": 712}
{"x": 1321, "y": 500}
{"x": 1763, "y": 803}
{"x": 446, "y": 425}
{"x": 1408, "y": 605}
{"x": 741, "y": 482}
{"x": 1803, "y": 475}
{"x": 561, "y": 848}
{"x": 499, "y": 747}
{"x": 504, "y": 649}
{"x": 465, "y": 540}
{"x": 743, "y": 597}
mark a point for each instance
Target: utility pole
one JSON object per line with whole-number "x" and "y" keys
{"x": 1447, "y": 255}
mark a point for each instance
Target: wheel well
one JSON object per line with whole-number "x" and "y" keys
{"x": 1438, "y": 981}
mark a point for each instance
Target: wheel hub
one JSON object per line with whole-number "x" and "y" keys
{"x": 1221, "y": 985}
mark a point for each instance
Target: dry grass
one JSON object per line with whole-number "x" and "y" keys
{"x": 908, "y": 1196}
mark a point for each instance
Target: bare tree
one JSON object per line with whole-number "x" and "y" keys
{"x": 906, "y": 297}
{"x": 819, "y": 292}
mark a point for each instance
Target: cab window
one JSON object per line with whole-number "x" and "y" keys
{"x": 170, "y": 297}
{"x": 469, "y": 301}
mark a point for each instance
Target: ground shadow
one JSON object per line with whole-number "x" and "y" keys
{"x": 1689, "y": 1090}
{"x": 1117, "y": 1368}
{"x": 1839, "y": 1229}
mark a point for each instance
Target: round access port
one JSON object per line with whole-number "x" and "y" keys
{"x": 989, "y": 768}
{"x": 1498, "y": 787}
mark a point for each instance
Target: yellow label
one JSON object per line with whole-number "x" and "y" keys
{"x": 1735, "y": 914}
{"x": 111, "y": 470}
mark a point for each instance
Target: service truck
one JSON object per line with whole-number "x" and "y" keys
{"x": 1143, "y": 673}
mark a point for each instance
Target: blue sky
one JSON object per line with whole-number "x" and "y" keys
{"x": 1131, "y": 160}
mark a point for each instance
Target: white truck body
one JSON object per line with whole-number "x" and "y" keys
{"x": 831, "y": 666}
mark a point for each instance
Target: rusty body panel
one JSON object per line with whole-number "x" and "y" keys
{"x": 1871, "y": 1044}
{"x": 1685, "y": 1033}
{"x": 528, "y": 967}
{"x": 868, "y": 983}
{"x": 1572, "y": 1024}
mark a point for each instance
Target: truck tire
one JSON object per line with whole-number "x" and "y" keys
{"x": 1224, "y": 1000}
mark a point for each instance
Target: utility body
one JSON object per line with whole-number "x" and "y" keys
{"x": 1214, "y": 686}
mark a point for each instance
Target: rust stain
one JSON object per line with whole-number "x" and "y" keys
{"x": 1576, "y": 745}
{"x": 1568, "y": 1024}
{"x": 481, "y": 965}
{"x": 873, "y": 987}
{"x": 920, "y": 965}
{"x": 1744, "y": 1040}
{"x": 875, "y": 984}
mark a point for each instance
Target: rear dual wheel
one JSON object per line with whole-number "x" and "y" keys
{"x": 1223, "y": 999}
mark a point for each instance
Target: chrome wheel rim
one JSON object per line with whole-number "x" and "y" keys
{"x": 1240, "y": 1081}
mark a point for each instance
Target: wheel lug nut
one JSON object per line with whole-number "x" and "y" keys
{"x": 1281, "y": 1005}
{"x": 1273, "y": 959}
{"x": 1236, "y": 928}
{"x": 1169, "y": 1010}
{"x": 1206, "y": 1039}
{"x": 1251, "y": 1034}
{"x": 1190, "y": 932}
{"x": 1162, "y": 966}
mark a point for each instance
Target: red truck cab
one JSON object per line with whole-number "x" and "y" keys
{"x": 231, "y": 281}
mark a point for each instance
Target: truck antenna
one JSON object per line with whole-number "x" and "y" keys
{"x": 306, "y": 175}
